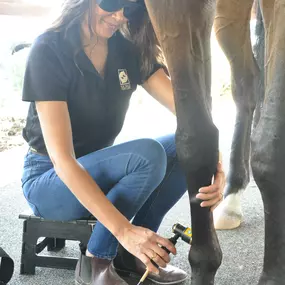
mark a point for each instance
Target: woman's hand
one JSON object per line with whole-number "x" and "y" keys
{"x": 146, "y": 246}
{"x": 213, "y": 194}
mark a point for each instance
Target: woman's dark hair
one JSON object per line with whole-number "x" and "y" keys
{"x": 138, "y": 30}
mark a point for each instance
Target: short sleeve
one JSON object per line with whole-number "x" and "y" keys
{"x": 155, "y": 67}
{"x": 45, "y": 78}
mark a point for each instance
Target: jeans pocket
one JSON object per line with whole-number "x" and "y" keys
{"x": 34, "y": 166}
{"x": 27, "y": 172}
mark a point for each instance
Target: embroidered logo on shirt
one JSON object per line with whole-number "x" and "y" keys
{"x": 124, "y": 79}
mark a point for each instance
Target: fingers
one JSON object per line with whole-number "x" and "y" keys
{"x": 156, "y": 239}
{"x": 219, "y": 167}
{"x": 210, "y": 196}
{"x": 210, "y": 203}
{"x": 211, "y": 199}
{"x": 211, "y": 192}
{"x": 154, "y": 251}
{"x": 165, "y": 242}
{"x": 217, "y": 184}
{"x": 150, "y": 266}
{"x": 155, "y": 257}
{"x": 161, "y": 253}
{"x": 216, "y": 205}
{"x": 209, "y": 189}
{"x": 158, "y": 255}
{"x": 147, "y": 246}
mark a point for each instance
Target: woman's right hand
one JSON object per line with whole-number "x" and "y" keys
{"x": 146, "y": 246}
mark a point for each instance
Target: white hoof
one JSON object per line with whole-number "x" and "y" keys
{"x": 228, "y": 214}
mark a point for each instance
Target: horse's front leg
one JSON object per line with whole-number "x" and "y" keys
{"x": 183, "y": 28}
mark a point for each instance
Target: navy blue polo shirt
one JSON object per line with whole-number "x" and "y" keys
{"x": 57, "y": 70}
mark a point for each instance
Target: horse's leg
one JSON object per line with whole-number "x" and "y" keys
{"x": 268, "y": 140}
{"x": 232, "y": 27}
{"x": 183, "y": 28}
{"x": 259, "y": 50}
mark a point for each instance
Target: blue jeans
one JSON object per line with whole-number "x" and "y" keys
{"x": 142, "y": 178}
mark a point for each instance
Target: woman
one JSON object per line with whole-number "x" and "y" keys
{"x": 79, "y": 78}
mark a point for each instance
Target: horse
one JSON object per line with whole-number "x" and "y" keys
{"x": 183, "y": 29}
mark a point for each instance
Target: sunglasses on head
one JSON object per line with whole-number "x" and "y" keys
{"x": 129, "y": 7}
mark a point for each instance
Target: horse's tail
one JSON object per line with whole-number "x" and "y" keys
{"x": 259, "y": 52}
{"x": 19, "y": 47}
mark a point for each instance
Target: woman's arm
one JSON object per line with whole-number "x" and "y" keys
{"x": 160, "y": 88}
{"x": 56, "y": 128}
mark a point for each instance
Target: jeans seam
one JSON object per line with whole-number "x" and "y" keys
{"x": 159, "y": 190}
{"x": 142, "y": 187}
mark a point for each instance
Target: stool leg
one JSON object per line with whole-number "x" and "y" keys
{"x": 27, "y": 268}
{"x": 55, "y": 244}
{"x": 28, "y": 254}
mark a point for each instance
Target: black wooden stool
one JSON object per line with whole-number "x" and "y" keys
{"x": 55, "y": 233}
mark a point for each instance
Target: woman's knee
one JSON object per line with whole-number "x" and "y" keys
{"x": 169, "y": 144}
{"x": 153, "y": 154}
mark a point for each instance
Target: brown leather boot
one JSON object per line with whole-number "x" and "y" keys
{"x": 96, "y": 271}
{"x": 126, "y": 264}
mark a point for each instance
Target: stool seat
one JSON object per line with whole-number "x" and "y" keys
{"x": 55, "y": 233}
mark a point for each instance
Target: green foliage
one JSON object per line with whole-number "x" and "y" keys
{"x": 226, "y": 89}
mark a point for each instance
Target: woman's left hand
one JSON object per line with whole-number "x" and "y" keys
{"x": 213, "y": 195}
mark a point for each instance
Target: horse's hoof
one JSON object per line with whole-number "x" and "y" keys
{"x": 228, "y": 215}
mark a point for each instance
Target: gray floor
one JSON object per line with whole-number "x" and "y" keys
{"x": 242, "y": 248}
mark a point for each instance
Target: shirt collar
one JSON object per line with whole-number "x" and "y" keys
{"x": 72, "y": 46}
{"x": 74, "y": 49}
